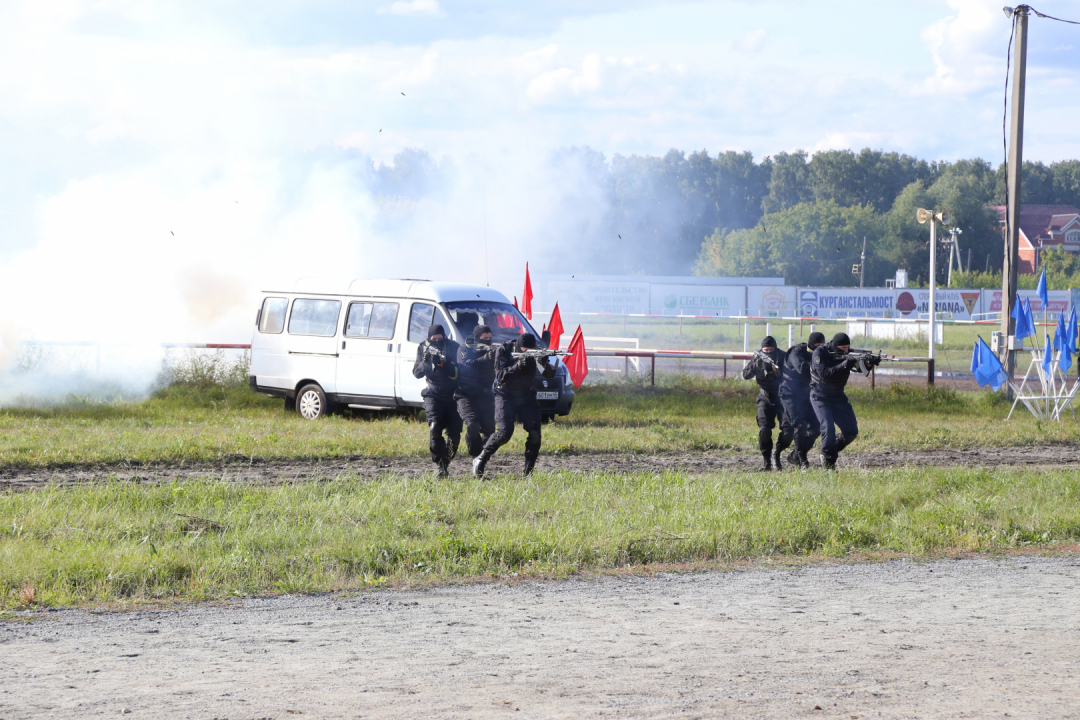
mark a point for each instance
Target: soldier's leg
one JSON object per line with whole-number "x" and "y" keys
{"x": 453, "y": 428}
{"x": 485, "y": 412}
{"x": 504, "y": 421}
{"x": 529, "y": 414}
{"x": 787, "y": 433}
{"x": 844, "y": 417}
{"x": 436, "y": 420}
{"x": 811, "y": 425}
{"x": 470, "y": 418}
{"x": 824, "y": 411}
{"x": 766, "y": 419}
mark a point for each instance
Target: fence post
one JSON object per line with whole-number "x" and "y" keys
{"x": 746, "y": 341}
{"x": 652, "y": 370}
{"x": 725, "y": 368}
{"x": 873, "y": 376}
{"x": 930, "y": 372}
{"x": 791, "y": 335}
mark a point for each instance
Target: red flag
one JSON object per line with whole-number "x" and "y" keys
{"x": 556, "y": 328}
{"x": 515, "y": 303}
{"x": 527, "y": 296}
{"x": 577, "y": 364}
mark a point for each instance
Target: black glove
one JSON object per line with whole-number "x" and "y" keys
{"x": 851, "y": 363}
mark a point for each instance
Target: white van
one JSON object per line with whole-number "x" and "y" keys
{"x": 356, "y": 347}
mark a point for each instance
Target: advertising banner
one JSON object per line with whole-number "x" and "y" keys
{"x": 770, "y": 301}
{"x": 952, "y": 304}
{"x": 847, "y": 302}
{"x": 601, "y": 296}
{"x": 1059, "y": 301}
{"x": 715, "y": 300}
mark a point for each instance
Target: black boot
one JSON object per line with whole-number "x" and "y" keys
{"x": 479, "y": 463}
{"x": 826, "y": 463}
{"x": 443, "y": 470}
{"x": 842, "y": 442}
{"x": 530, "y": 465}
{"x": 766, "y": 464}
{"x": 776, "y": 457}
{"x": 802, "y": 460}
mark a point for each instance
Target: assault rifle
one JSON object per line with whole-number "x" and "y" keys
{"x": 764, "y": 361}
{"x": 434, "y": 355}
{"x": 539, "y": 354}
{"x": 865, "y": 360}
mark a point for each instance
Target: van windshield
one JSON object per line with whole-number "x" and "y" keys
{"x": 505, "y": 321}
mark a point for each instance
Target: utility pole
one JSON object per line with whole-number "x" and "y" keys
{"x": 862, "y": 263}
{"x": 1019, "y": 15}
{"x": 934, "y": 217}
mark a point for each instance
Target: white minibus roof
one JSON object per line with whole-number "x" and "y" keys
{"x": 405, "y": 288}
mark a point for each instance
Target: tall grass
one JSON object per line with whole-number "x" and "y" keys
{"x": 213, "y": 539}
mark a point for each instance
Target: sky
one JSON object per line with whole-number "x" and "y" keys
{"x": 161, "y": 162}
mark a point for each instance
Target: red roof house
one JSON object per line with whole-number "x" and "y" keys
{"x": 1044, "y": 227}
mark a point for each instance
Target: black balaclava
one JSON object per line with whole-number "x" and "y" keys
{"x": 437, "y": 330}
{"x": 816, "y": 337}
{"x": 768, "y": 342}
{"x": 480, "y": 330}
{"x": 840, "y": 339}
{"x": 527, "y": 341}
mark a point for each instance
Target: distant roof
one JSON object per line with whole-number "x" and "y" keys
{"x": 1035, "y": 220}
{"x": 666, "y": 279}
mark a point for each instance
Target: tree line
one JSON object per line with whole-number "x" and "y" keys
{"x": 794, "y": 215}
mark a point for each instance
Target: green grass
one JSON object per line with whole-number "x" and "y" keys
{"x": 184, "y": 424}
{"x": 212, "y": 539}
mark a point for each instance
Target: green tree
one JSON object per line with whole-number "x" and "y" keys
{"x": 809, "y": 244}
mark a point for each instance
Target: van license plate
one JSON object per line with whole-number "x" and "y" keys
{"x": 547, "y": 395}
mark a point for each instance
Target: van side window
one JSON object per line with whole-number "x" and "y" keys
{"x": 374, "y": 320}
{"x": 383, "y": 320}
{"x": 272, "y": 316}
{"x": 314, "y": 317}
{"x": 423, "y": 317}
{"x": 358, "y": 319}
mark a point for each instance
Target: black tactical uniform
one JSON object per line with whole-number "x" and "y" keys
{"x": 829, "y": 374}
{"x": 515, "y": 398}
{"x": 768, "y": 378}
{"x": 799, "y": 420}
{"x": 442, "y": 381}
{"x": 475, "y": 395}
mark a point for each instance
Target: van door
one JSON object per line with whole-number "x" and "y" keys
{"x": 312, "y": 343}
{"x": 365, "y": 371}
{"x": 422, "y": 315}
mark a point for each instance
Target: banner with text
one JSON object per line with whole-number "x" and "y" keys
{"x": 952, "y": 304}
{"x": 842, "y": 302}
{"x": 713, "y": 300}
{"x": 1059, "y": 301}
{"x": 771, "y": 301}
{"x": 597, "y": 296}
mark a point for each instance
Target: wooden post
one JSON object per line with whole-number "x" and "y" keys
{"x": 725, "y": 368}
{"x": 873, "y": 375}
{"x": 930, "y": 372}
{"x": 652, "y": 371}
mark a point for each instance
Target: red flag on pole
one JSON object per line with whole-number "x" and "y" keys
{"x": 515, "y": 303}
{"x": 556, "y": 328}
{"x": 577, "y": 364}
{"x": 527, "y": 296}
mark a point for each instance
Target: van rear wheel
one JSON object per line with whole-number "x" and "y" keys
{"x": 311, "y": 402}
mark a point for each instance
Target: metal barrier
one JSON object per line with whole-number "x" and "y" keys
{"x": 725, "y": 356}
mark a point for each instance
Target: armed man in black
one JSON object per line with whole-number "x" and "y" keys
{"x": 475, "y": 396}
{"x": 829, "y": 374}
{"x": 798, "y": 420}
{"x": 435, "y": 361}
{"x": 767, "y": 368}
{"x": 515, "y": 398}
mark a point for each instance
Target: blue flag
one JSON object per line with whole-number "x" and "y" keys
{"x": 1048, "y": 356}
{"x": 989, "y": 371}
{"x": 975, "y": 357}
{"x": 1041, "y": 290}
{"x": 1061, "y": 337}
{"x": 1070, "y": 331}
{"x": 1065, "y": 359}
{"x": 1025, "y": 326}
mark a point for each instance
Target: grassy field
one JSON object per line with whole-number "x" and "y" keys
{"x": 204, "y": 540}
{"x": 191, "y": 424}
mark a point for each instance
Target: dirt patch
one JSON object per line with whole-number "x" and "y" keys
{"x": 280, "y": 471}
{"x": 978, "y": 637}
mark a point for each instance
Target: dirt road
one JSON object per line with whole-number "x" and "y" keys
{"x": 964, "y": 638}
{"x": 261, "y": 471}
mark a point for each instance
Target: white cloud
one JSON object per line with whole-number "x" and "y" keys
{"x": 413, "y": 7}
{"x": 554, "y": 84}
{"x": 968, "y": 48}
{"x": 751, "y": 42}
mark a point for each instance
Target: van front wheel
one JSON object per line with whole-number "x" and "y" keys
{"x": 311, "y": 402}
